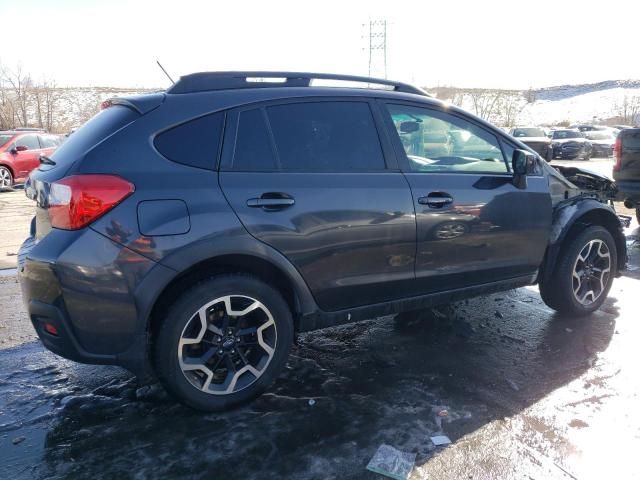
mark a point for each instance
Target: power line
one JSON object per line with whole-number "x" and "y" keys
{"x": 377, "y": 45}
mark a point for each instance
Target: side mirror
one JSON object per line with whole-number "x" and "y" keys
{"x": 19, "y": 148}
{"x": 523, "y": 163}
{"x": 409, "y": 127}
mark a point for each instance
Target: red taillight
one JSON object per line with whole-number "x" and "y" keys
{"x": 76, "y": 201}
{"x": 617, "y": 153}
{"x": 50, "y": 329}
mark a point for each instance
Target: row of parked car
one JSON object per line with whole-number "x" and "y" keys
{"x": 578, "y": 142}
{"x": 20, "y": 152}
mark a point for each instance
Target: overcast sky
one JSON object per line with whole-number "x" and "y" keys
{"x": 482, "y": 43}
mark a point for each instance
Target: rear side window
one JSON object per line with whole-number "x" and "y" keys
{"x": 29, "y": 141}
{"x": 326, "y": 136}
{"x": 253, "y": 150}
{"x": 48, "y": 141}
{"x": 194, "y": 143}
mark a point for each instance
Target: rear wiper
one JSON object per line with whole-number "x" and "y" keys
{"x": 46, "y": 160}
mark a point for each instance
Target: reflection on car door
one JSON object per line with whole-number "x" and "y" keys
{"x": 473, "y": 225}
{"x": 310, "y": 180}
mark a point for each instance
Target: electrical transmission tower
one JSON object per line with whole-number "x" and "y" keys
{"x": 377, "y": 39}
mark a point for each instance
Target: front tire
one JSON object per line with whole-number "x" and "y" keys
{"x": 584, "y": 273}
{"x": 6, "y": 178}
{"x": 223, "y": 342}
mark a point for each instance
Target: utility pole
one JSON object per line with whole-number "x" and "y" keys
{"x": 377, "y": 40}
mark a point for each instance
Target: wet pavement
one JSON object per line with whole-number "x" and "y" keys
{"x": 520, "y": 391}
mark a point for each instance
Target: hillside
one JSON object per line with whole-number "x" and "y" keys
{"x": 614, "y": 100}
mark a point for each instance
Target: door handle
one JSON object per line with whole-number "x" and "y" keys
{"x": 271, "y": 201}
{"x": 436, "y": 199}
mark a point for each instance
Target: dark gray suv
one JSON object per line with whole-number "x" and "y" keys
{"x": 190, "y": 234}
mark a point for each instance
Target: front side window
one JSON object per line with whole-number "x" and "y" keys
{"x": 29, "y": 141}
{"x": 326, "y": 136}
{"x": 442, "y": 143}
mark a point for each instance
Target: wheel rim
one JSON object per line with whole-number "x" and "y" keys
{"x": 5, "y": 177}
{"x": 450, "y": 230}
{"x": 227, "y": 344}
{"x": 591, "y": 272}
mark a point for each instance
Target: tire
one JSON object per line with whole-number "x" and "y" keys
{"x": 558, "y": 292}
{"x": 6, "y": 178}
{"x": 638, "y": 214}
{"x": 182, "y": 342}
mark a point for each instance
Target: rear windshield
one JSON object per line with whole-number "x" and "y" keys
{"x": 560, "y": 134}
{"x": 4, "y": 139}
{"x": 91, "y": 133}
{"x": 528, "y": 132}
{"x": 598, "y": 135}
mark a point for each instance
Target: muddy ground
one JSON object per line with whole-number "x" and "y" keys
{"x": 527, "y": 395}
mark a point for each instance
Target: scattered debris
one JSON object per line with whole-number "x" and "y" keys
{"x": 18, "y": 440}
{"x": 513, "y": 384}
{"x": 498, "y": 314}
{"x": 391, "y": 462}
{"x": 515, "y": 339}
{"x": 443, "y": 413}
{"x": 440, "y": 440}
{"x": 312, "y": 402}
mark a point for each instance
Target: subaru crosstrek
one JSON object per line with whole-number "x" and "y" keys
{"x": 190, "y": 234}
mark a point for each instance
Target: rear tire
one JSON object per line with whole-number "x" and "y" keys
{"x": 583, "y": 274}
{"x": 6, "y": 178}
{"x": 223, "y": 342}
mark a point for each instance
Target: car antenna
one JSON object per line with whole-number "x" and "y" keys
{"x": 165, "y": 72}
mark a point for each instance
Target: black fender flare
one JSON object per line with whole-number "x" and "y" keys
{"x": 572, "y": 213}
{"x": 153, "y": 284}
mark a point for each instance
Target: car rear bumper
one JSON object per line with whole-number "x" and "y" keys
{"x": 629, "y": 189}
{"x": 82, "y": 286}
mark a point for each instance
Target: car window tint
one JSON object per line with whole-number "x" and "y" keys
{"x": 326, "y": 136}
{"x": 194, "y": 143}
{"x": 253, "y": 151}
{"x": 29, "y": 141}
{"x": 438, "y": 142}
{"x": 48, "y": 141}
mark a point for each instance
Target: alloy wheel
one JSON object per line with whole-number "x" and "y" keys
{"x": 591, "y": 272}
{"x": 227, "y": 344}
{"x": 5, "y": 178}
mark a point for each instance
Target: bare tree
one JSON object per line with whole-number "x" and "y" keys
{"x": 484, "y": 102}
{"x": 19, "y": 85}
{"x": 629, "y": 109}
{"x": 509, "y": 108}
{"x": 45, "y": 98}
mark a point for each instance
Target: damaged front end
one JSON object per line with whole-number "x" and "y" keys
{"x": 582, "y": 197}
{"x": 570, "y": 184}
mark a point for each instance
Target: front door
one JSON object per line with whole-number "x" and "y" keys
{"x": 473, "y": 225}
{"x": 310, "y": 179}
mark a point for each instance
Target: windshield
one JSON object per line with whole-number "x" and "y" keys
{"x": 528, "y": 132}
{"x": 4, "y": 139}
{"x": 560, "y": 134}
{"x": 598, "y": 135}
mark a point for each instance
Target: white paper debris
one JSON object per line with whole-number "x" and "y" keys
{"x": 440, "y": 440}
{"x": 391, "y": 462}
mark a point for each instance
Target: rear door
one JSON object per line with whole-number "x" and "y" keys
{"x": 314, "y": 180}
{"x": 473, "y": 225}
{"x": 27, "y": 160}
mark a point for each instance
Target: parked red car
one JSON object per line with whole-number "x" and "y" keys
{"x": 20, "y": 153}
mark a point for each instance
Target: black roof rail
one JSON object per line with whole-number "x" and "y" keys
{"x": 205, "y": 81}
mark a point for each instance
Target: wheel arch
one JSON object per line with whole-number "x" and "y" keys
{"x": 570, "y": 219}
{"x": 198, "y": 262}
{"x": 10, "y": 168}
